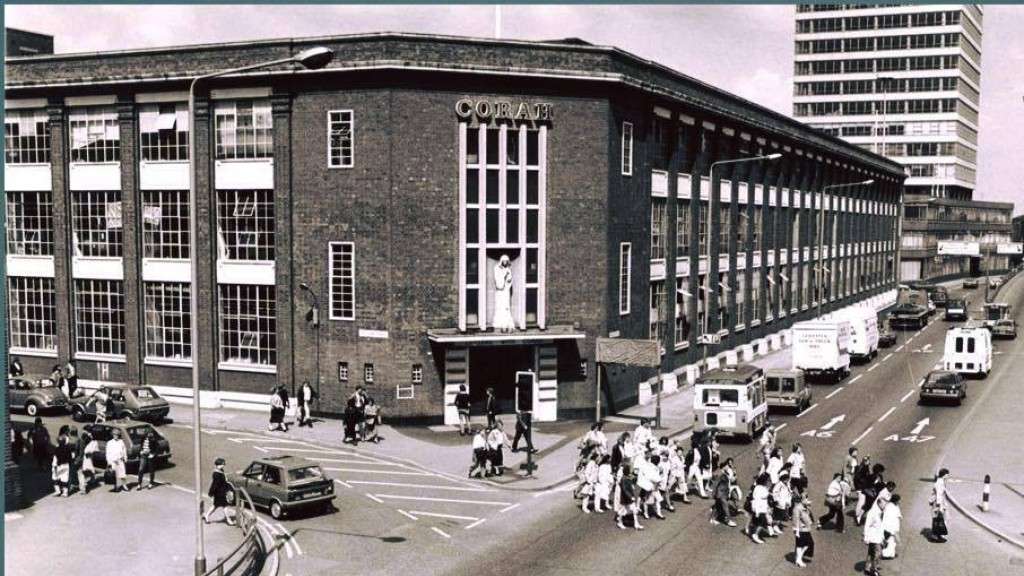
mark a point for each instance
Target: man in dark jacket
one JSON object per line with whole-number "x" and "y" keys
{"x": 39, "y": 436}
{"x": 462, "y": 403}
{"x": 492, "y": 407}
{"x": 524, "y": 427}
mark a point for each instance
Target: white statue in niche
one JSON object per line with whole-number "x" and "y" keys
{"x": 503, "y": 296}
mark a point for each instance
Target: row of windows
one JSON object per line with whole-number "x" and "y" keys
{"x": 945, "y": 127}
{"x": 243, "y": 129}
{"x": 883, "y": 22}
{"x": 868, "y": 107}
{"x": 956, "y": 214}
{"x": 370, "y": 374}
{"x": 876, "y": 86}
{"x": 865, "y": 65}
{"x": 871, "y": 43}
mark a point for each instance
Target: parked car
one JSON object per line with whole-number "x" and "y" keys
{"x": 970, "y": 283}
{"x": 284, "y": 484}
{"x": 955, "y": 310}
{"x": 886, "y": 337}
{"x": 135, "y": 402}
{"x": 36, "y": 395}
{"x": 133, "y": 433}
{"x": 995, "y": 282}
{"x": 1005, "y": 328}
{"x": 787, "y": 389}
{"x": 943, "y": 385}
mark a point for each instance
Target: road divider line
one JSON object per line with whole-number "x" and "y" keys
{"x": 507, "y": 508}
{"x": 342, "y": 461}
{"x": 374, "y": 498}
{"x": 182, "y": 488}
{"x": 861, "y": 437}
{"x": 834, "y": 392}
{"x": 812, "y": 407}
{"x": 343, "y": 483}
{"x": 781, "y": 426}
{"x": 406, "y": 514}
{"x": 427, "y": 486}
{"x": 440, "y": 515}
{"x": 449, "y": 500}
{"x": 889, "y": 355}
{"x": 439, "y": 531}
{"x": 857, "y": 377}
{"x": 873, "y": 366}
{"x": 886, "y": 415}
{"x": 475, "y": 524}
{"x": 367, "y": 471}
{"x": 907, "y": 395}
{"x": 921, "y": 383}
{"x": 899, "y": 348}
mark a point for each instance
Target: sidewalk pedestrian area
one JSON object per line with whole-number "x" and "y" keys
{"x": 441, "y": 449}
{"x": 112, "y": 534}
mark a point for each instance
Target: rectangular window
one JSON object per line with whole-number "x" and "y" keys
{"x": 702, "y": 231}
{"x": 168, "y": 321}
{"x": 30, "y": 223}
{"x": 342, "y": 265}
{"x": 368, "y": 373}
{"x": 625, "y": 263}
{"x": 95, "y": 134}
{"x": 248, "y": 324}
{"x": 417, "y": 373}
{"x": 163, "y": 132}
{"x": 342, "y": 372}
{"x": 682, "y": 228}
{"x": 245, "y": 130}
{"x": 32, "y": 313}
{"x": 659, "y": 307}
{"x": 96, "y": 224}
{"x": 627, "y": 149}
{"x": 340, "y": 131}
{"x": 682, "y": 311}
{"x": 99, "y": 317}
{"x": 245, "y": 224}
{"x": 165, "y": 226}
{"x": 658, "y": 209}
{"x": 26, "y": 137}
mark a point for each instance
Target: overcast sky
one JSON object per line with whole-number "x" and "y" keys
{"x": 745, "y": 49}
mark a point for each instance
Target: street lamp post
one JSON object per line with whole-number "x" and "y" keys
{"x": 316, "y": 326}
{"x": 313, "y": 58}
{"x": 706, "y": 288}
{"x": 820, "y": 266}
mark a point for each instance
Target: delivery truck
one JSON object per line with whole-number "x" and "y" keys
{"x": 968, "y": 351}
{"x": 822, "y": 349}
{"x": 863, "y": 332}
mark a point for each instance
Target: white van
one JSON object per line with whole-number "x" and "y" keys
{"x": 822, "y": 348}
{"x": 732, "y": 401}
{"x": 968, "y": 351}
{"x": 863, "y": 331}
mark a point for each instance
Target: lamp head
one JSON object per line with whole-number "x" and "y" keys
{"x": 774, "y": 156}
{"x": 868, "y": 182}
{"x": 304, "y": 286}
{"x": 314, "y": 58}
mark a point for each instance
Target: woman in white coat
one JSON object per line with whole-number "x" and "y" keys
{"x": 892, "y": 518}
{"x": 605, "y": 483}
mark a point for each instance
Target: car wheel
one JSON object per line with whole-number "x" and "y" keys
{"x": 77, "y": 414}
{"x": 276, "y": 510}
{"x": 230, "y": 495}
{"x": 31, "y": 408}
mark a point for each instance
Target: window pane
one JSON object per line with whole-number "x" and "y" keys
{"x": 492, "y": 226}
{"x": 531, "y": 226}
{"x": 472, "y": 266}
{"x": 512, "y": 146}
{"x": 493, "y": 142}
{"x": 512, "y": 226}
{"x": 472, "y": 186}
{"x": 492, "y": 186}
{"x": 532, "y": 187}
{"x": 512, "y": 187}
{"x": 532, "y": 147}
{"x": 472, "y": 225}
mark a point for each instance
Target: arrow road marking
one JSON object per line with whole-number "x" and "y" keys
{"x": 886, "y": 415}
{"x": 835, "y": 420}
{"x": 920, "y": 426}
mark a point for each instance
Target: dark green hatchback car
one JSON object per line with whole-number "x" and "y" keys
{"x": 284, "y": 484}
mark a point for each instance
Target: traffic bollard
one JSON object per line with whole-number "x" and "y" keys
{"x": 985, "y": 493}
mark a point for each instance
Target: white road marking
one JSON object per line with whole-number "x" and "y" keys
{"x": 477, "y": 523}
{"x": 182, "y": 489}
{"x": 324, "y": 451}
{"x": 921, "y": 383}
{"x": 834, "y": 392}
{"x": 812, "y": 407}
{"x": 889, "y": 355}
{"x": 855, "y": 378}
{"x": 886, "y": 415}
{"x": 342, "y": 461}
{"x": 291, "y": 538}
{"x": 449, "y": 500}
{"x": 367, "y": 471}
{"x": 907, "y": 395}
{"x": 406, "y": 514}
{"x": 512, "y": 507}
{"x": 275, "y": 535}
{"x": 374, "y": 498}
{"x": 873, "y": 366}
{"x": 439, "y": 531}
{"x": 781, "y": 426}
{"x": 861, "y": 437}
{"x": 439, "y": 515}
{"x": 899, "y": 348}
{"x": 8, "y": 516}
{"x": 427, "y": 486}
{"x": 920, "y": 426}
{"x": 240, "y": 440}
{"x": 343, "y": 483}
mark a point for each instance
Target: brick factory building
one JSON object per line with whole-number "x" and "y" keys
{"x": 393, "y": 183}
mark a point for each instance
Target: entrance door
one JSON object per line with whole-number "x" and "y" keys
{"x": 496, "y": 367}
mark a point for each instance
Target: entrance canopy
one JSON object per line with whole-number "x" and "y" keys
{"x": 520, "y": 337}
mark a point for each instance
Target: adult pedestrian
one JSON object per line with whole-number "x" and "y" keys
{"x": 102, "y": 402}
{"x": 774, "y": 465}
{"x": 642, "y": 436}
{"x": 835, "y": 501}
{"x": 618, "y": 451}
{"x": 358, "y": 400}
{"x": 71, "y": 379}
{"x": 306, "y": 397}
{"x": 350, "y": 421}
{"x": 496, "y": 442}
{"x": 647, "y": 477}
{"x": 693, "y": 471}
{"x": 782, "y": 500}
{"x": 524, "y": 425}
{"x": 796, "y": 462}
{"x": 39, "y": 437}
{"x": 57, "y": 377}
{"x": 371, "y": 418}
{"x": 462, "y": 404}
{"x": 276, "y": 412}
{"x": 595, "y": 439}
{"x": 938, "y": 503}
{"x": 17, "y": 445}
{"x": 62, "y": 457}
{"x": 87, "y": 471}
{"x": 850, "y": 465}
{"x": 285, "y": 400}
{"x": 861, "y": 480}
{"x": 15, "y": 368}
{"x": 117, "y": 459}
{"x": 802, "y": 522}
{"x": 767, "y": 444}
{"x": 892, "y": 519}
{"x": 759, "y": 510}
{"x": 76, "y": 463}
{"x": 218, "y": 491}
{"x": 874, "y": 536}
{"x": 491, "y": 407}
{"x": 872, "y": 484}
{"x": 481, "y": 464}
{"x": 146, "y": 464}
{"x": 720, "y": 511}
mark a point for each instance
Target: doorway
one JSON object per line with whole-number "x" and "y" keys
{"x": 496, "y": 367}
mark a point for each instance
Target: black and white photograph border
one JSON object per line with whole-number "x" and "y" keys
{"x": 383, "y": 289}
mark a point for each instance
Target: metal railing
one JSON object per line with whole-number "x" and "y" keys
{"x": 247, "y": 558}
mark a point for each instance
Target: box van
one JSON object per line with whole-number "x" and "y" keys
{"x": 968, "y": 351}
{"x": 731, "y": 400}
{"x": 822, "y": 348}
{"x": 863, "y": 331}
{"x": 787, "y": 389}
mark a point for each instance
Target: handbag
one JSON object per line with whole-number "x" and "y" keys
{"x": 889, "y": 548}
{"x": 939, "y": 524}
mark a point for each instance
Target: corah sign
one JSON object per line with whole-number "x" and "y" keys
{"x": 490, "y": 110}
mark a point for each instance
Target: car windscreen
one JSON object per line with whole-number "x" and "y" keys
{"x": 788, "y": 385}
{"x": 138, "y": 433}
{"x": 772, "y": 384}
{"x": 941, "y": 379}
{"x": 145, "y": 394}
{"x": 305, "y": 473}
{"x": 956, "y": 304}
